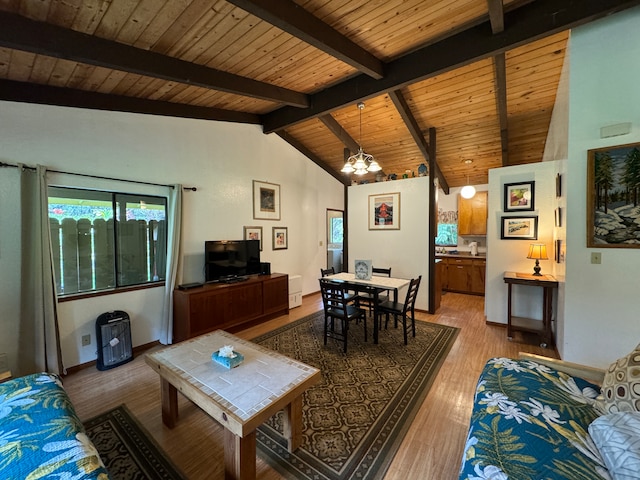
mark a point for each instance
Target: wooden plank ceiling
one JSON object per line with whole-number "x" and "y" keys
{"x": 482, "y": 73}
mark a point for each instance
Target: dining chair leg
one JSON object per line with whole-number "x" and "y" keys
{"x": 326, "y": 327}
{"x": 404, "y": 328}
{"x": 345, "y": 328}
{"x": 364, "y": 321}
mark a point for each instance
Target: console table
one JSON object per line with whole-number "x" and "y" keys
{"x": 226, "y": 306}
{"x": 548, "y": 283}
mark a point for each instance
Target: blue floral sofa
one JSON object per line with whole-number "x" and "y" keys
{"x": 531, "y": 421}
{"x": 40, "y": 434}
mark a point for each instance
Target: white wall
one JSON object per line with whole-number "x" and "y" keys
{"x": 602, "y": 301}
{"x": 220, "y": 159}
{"x": 511, "y": 255}
{"x": 404, "y": 250}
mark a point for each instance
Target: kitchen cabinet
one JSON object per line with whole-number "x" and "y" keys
{"x": 472, "y": 214}
{"x": 464, "y": 275}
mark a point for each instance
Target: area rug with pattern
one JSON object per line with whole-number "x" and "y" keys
{"x": 355, "y": 418}
{"x": 127, "y": 449}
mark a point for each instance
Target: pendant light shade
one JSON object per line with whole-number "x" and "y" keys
{"x": 468, "y": 191}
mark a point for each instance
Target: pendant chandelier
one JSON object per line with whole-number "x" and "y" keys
{"x": 468, "y": 191}
{"x": 361, "y": 162}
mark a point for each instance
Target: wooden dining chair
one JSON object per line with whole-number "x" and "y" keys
{"x": 337, "y": 308}
{"x": 367, "y": 299}
{"x": 406, "y": 309}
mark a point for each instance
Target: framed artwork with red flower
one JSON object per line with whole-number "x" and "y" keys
{"x": 384, "y": 211}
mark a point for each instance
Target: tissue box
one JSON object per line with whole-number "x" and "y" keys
{"x": 226, "y": 361}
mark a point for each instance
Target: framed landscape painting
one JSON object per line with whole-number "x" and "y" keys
{"x": 519, "y": 197}
{"x": 266, "y": 201}
{"x": 384, "y": 211}
{"x": 519, "y": 228}
{"x": 613, "y": 195}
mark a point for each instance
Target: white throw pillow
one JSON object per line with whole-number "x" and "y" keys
{"x": 617, "y": 436}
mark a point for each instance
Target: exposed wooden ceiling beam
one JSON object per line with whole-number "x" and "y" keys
{"x": 340, "y": 133}
{"x": 41, "y": 38}
{"x": 496, "y": 15}
{"x": 67, "y": 97}
{"x": 294, "y": 19}
{"x": 414, "y": 129}
{"x": 528, "y": 23}
{"x": 313, "y": 157}
{"x": 499, "y": 64}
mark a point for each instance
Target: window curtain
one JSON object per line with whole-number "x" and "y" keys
{"x": 39, "y": 336}
{"x": 174, "y": 230}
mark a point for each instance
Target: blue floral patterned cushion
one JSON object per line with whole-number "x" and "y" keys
{"x": 531, "y": 422}
{"x": 41, "y": 435}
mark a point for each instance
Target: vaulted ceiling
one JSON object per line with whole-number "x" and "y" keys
{"x": 453, "y": 79}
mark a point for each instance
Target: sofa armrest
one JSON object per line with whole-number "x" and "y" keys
{"x": 594, "y": 375}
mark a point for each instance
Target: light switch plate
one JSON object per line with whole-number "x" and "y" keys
{"x": 596, "y": 258}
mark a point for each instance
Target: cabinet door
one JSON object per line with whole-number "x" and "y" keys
{"x": 208, "y": 312}
{"x": 245, "y": 302}
{"x": 478, "y": 271}
{"x": 459, "y": 273}
{"x": 275, "y": 294}
{"x": 472, "y": 214}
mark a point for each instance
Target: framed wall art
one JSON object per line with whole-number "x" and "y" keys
{"x": 253, "y": 233}
{"x": 519, "y": 197}
{"x": 266, "y": 201}
{"x": 558, "y": 216}
{"x": 384, "y": 211}
{"x": 280, "y": 238}
{"x": 519, "y": 228}
{"x": 613, "y": 179}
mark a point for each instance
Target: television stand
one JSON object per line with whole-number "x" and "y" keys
{"x": 229, "y": 306}
{"x": 233, "y": 279}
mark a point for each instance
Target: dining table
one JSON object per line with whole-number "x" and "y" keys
{"x": 377, "y": 283}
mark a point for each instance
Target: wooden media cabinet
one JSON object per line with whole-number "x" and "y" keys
{"x": 227, "y": 306}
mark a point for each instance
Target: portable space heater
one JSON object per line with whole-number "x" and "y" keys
{"x": 113, "y": 335}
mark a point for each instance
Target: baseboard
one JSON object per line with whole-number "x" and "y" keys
{"x": 92, "y": 363}
{"x": 495, "y": 324}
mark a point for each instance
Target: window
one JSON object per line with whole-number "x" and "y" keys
{"x": 447, "y": 228}
{"x": 104, "y": 240}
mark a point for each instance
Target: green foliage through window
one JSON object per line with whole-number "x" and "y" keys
{"x": 447, "y": 234}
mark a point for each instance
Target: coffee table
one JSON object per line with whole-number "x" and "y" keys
{"x": 240, "y": 398}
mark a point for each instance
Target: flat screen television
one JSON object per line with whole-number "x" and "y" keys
{"x": 226, "y": 259}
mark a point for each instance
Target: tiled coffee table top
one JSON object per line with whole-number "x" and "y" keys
{"x": 262, "y": 378}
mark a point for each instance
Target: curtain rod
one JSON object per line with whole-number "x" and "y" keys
{"x": 193, "y": 189}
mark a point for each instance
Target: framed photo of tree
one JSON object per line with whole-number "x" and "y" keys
{"x": 613, "y": 196}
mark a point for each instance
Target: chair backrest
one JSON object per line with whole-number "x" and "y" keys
{"x": 327, "y": 271}
{"x": 381, "y": 272}
{"x": 412, "y": 293}
{"x": 333, "y": 297}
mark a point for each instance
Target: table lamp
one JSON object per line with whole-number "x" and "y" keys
{"x": 537, "y": 251}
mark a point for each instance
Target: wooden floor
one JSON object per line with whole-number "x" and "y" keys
{"x": 431, "y": 449}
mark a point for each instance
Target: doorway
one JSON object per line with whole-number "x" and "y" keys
{"x": 335, "y": 239}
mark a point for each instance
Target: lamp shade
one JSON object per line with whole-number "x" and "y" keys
{"x": 468, "y": 191}
{"x": 538, "y": 251}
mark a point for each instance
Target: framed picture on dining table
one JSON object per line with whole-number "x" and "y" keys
{"x": 384, "y": 211}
